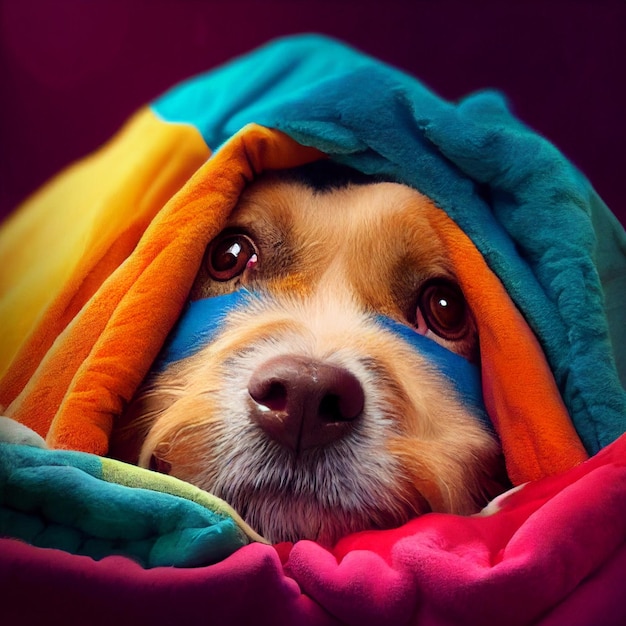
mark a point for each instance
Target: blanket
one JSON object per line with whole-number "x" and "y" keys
{"x": 95, "y": 269}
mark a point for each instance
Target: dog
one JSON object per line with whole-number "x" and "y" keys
{"x": 303, "y": 410}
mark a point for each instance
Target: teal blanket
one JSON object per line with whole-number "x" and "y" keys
{"x": 92, "y": 506}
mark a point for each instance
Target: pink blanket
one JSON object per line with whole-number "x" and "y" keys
{"x": 553, "y": 552}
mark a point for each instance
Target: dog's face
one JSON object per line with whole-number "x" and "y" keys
{"x": 307, "y": 414}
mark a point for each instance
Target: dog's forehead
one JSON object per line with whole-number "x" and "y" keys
{"x": 376, "y": 239}
{"x": 395, "y": 211}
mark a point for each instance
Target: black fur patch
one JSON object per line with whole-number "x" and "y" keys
{"x": 325, "y": 175}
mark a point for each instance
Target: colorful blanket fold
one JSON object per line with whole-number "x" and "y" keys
{"x": 553, "y": 554}
{"x": 84, "y": 504}
{"x": 95, "y": 269}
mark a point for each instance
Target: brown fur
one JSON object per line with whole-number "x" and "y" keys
{"x": 327, "y": 263}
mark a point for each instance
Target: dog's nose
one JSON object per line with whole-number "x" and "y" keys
{"x": 303, "y": 403}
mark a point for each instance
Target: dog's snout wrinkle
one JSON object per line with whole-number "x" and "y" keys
{"x": 304, "y": 403}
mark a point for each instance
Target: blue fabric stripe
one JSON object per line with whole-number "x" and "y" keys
{"x": 465, "y": 376}
{"x": 202, "y": 321}
{"x": 198, "y": 326}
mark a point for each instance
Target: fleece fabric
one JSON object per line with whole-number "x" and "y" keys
{"x": 95, "y": 270}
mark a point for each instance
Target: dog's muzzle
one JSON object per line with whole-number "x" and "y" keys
{"x": 302, "y": 402}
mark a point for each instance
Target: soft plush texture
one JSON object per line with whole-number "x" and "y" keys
{"x": 552, "y": 554}
{"x": 84, "y": 504}
{"x": 540, "y": 258}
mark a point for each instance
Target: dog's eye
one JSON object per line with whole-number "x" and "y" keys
{"x": 229, "y": 255}
{"x": 441, "y": 308}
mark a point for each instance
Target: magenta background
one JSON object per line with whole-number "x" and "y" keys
{"x": 73, "y": 70}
